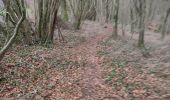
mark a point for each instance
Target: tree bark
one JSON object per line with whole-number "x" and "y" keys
{"x": 48, "y": 10}
{"x": 11, "y": 40}
{"x": 140, "y": 7}
{"x": 116, "y": 15}
{"x": 107, "y": 11}
{"x": 163, "y": 31}
{"x": 12, "y": 16}
{"x": 64, "y": 6}
{"x": 132, "y": 18}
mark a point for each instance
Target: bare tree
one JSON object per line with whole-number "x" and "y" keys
{"x": 12, "y": 16}
{"x": 64, "y": 10}
{"x": 46, "y": 19}
{"x": 163, "y": 30}
{"x": 16, "y": 30}
{"x": 132, "y": 17}
{"x": 140, "y": 6}
{"x": 107, "y": 10}
{"x": 116, "y": 15}
{"x": 78, "y": 8}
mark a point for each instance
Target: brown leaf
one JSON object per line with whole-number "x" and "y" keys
{"x": 10, "y": 65}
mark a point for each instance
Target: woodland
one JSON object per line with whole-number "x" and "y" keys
{"x": 84, "y": 49}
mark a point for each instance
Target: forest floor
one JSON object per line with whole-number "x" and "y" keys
{"x": 90, "y": 66}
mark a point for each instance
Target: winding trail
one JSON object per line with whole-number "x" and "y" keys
{"x": 74, "y": 71}
{"x": 85, "y": 82}
{"x": 92, "y": 71}
{"x": 92, "y": 84}
{"x": 89, "y": 83}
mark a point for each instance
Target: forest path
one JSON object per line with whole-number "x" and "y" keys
{"x": 89, "y": 83}
{"x": 92, "y": 71}
{"x": 92, "y": 84}
{"x": 92, "y": 66}
{"x": 87, "y": 80}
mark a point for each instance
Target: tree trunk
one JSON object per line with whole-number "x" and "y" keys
{"x": 116, "y": 15}
{"x": 132, "y": 18}
{"x": 11, "y": 40}
{"x": 48, "y": 10}
{"x": 64, "y": 6}
{"x": 14, "y": 12}
{"x": 141, "y": 32}
{"x": 107, "y": 11}
{"x": 79, "y": 14}
{"x": 140, "y": 7}
{"x": 163, "y": 31}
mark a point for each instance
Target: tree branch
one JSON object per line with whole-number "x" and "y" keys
{"x": 11, "y": 40}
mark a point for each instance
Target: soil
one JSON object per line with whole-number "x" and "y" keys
{"x": 90, "y": 66}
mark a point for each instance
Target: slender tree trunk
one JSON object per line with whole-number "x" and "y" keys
{"x": 40, "y": 11}
{"x": 150, "y": 11}
{"x": 141, "y": 13}
{"x": 79, "y": 15}
{"x": 132, "y": 18}
{"x": 163, "y": 30}
{"x": 141, "y": 32}
{"x": 107, "y": 11}
{"x": 7, "y": 6}
{"x": 12, "y": 17}
{"x": 116, "y": 15}
{"x": 16, "y": 30}
{"x": 48, "y": 10}
{"x": 64, "y": 6}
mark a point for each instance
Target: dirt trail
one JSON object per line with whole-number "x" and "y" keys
{"x": 77, "y": 71}
{"x": 92, "y": 74}
{"x": 91, "y": 84}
